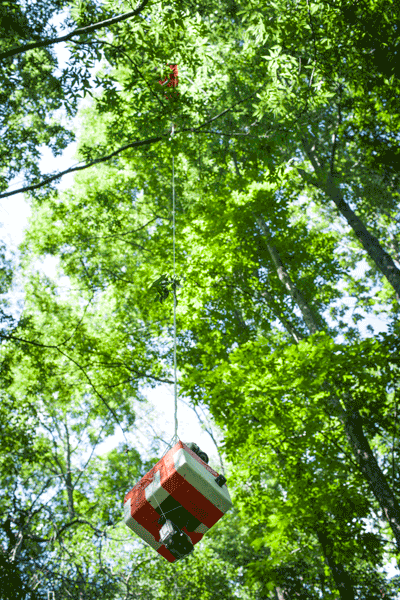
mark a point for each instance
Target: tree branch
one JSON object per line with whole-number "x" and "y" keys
{"x": 333, "y": 151}
{"x": 66, "y": 526}
{"x": 136, "y": 144}
{"x": 86, "y": 166}
{"x": 100, "y": 396}
{"x": 74, "y": 33}
{"x": 95, "y": 390}
{"x": 12, "y": 337}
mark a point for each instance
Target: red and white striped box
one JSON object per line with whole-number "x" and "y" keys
{"x": 183, "y": 488}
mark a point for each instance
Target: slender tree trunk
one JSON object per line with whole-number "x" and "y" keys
{"x": 350, "y": 418}
{"x": 340, "y": 576}
{"x": 279, "y": 594}
{"x": 297, "y": 296}
{"x": 381, "y": 258}
{"x": 68, "y": 478}
{"x": 372, "y": 471}
{"x": 296, "y": 335}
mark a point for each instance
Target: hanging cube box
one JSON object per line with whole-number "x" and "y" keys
{"x": 181, "y": 486}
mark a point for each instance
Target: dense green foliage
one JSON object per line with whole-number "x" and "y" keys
{"x": 284, "y": 146}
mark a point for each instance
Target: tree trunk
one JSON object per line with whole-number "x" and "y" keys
{"x": 372, "y": 471}
{"x": 342, "y": 579}
{"x": 297, "y": 296}
{"x": 68, "y": 477}
{"x": 381, "y": 258}
{"x": 350, "y": 418}
{"x": 296, "y": 335}
{"x": 279, "y": 595}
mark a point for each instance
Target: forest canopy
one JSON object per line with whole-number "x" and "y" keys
{"x": 275, "y": 127}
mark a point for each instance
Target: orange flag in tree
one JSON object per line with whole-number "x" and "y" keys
{"x": 173, "y": 80}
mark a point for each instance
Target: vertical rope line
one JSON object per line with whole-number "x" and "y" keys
{"x": 174, "y": 289}
{"x": 394, "y": 434}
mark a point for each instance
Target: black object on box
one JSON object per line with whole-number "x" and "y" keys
{"x": 175, "y": 540}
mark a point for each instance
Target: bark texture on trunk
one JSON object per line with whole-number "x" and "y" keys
{"x": 372, "y": 471}
{"x": 371, "y": 244}
{"x": 342, "y": 580}
{"x": 381, "y": 258}
{"x": 68, "y": 478}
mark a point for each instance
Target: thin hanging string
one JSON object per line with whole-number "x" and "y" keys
{"x": 174, "y": 281}
{"x": 174, "y": 290}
